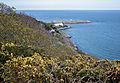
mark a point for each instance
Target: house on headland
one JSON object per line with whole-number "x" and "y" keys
{"x": 58, "y": 24}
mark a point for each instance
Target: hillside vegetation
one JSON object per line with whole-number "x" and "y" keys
{"x": 30, "y": 54}
{"x": 25, "y": 30}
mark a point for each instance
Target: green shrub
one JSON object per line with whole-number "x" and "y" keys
{"x": 6, "y": 9}
{"x": 20, "y": 50}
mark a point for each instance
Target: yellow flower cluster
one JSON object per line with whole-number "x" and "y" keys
{"x": 40, "y": 68}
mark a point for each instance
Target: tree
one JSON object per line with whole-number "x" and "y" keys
{"x": 6, "y": 9}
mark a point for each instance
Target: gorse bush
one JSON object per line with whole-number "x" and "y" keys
{"x": 40, "y": 68}
{"x": 22, "y": 70}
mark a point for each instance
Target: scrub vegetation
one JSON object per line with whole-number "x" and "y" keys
{"x": 30, "y": 54}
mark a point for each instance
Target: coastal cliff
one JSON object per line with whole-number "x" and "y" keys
{"x": 31, "y": 53}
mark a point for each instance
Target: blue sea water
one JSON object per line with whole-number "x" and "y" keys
{"x": 101, "y": 38}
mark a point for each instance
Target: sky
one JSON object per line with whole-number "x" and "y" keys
{"x": 64, "y": 4}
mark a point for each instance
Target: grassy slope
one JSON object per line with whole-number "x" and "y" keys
{"x": 21, "y": 63}
{"x": 25, "y": 30}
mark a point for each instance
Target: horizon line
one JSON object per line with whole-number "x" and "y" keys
{"x": 68, "y": 9}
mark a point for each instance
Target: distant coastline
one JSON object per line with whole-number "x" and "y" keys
{"x": 71, "y": 21}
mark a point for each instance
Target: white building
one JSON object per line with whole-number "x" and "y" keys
{"x": 58, "y": 24}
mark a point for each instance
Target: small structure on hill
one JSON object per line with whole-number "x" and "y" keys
{"x": 58, "y": 24}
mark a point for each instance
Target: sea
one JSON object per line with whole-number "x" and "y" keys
{"x": 101, "y": 38}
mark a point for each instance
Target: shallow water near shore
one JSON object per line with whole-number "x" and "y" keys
{"x": 101, "y": 38}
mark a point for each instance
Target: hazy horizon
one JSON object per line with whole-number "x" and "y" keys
{"x": 69, "y": 9}
{"x": 64, "y": 4}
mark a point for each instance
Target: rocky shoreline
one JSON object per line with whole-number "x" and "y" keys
{"x": 66, "y": 38}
